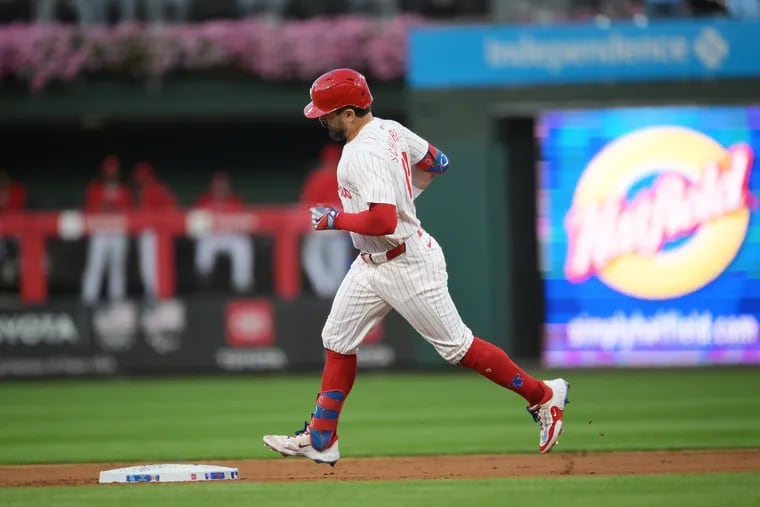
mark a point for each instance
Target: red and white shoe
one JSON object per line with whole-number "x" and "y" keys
{"x": 300, "y": 445}
{"x": 549, "y": 415}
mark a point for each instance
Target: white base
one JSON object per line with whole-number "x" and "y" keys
{"x": 168, "y": 473}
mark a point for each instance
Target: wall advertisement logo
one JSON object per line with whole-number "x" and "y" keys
{"x": 164, "y": 325}
{"x": 659, "y": 213}
{"x": 29, "y": 329}
{"x": 115, "y": 326}
{"x": 251, "y": 338}
{"x": 250, "y": 323}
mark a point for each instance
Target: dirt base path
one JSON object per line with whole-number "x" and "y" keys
{"x": 428, "y": 467}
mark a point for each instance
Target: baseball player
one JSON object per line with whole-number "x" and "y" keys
{"x": 155, "y": 198}
{"x": 13, "y": 199}
{"x": 239, "y": 246}
{"x": 106, "y": 248}
{"x": 383, "y": 168}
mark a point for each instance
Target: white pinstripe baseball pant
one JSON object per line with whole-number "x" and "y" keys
{"x": 415, "y": 285}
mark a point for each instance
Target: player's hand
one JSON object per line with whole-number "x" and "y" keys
{"x": 323, "y": 217}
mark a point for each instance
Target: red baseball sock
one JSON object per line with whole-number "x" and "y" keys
{"x": 494, "y": 364}
{"x": 339, "y": 372}
{"x": 337, "y": 380}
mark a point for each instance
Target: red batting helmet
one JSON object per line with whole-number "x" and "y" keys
{"x": 335, "y": 89}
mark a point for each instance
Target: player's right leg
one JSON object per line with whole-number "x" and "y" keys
{"x": 356, "y": 309}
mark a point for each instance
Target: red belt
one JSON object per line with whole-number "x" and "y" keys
{"x": 379, "y": 258}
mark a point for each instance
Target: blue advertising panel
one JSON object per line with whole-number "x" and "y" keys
{"x": 479, "y": 56}
{"x": 650, "y": 236}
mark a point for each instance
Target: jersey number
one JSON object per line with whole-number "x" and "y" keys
{"x": 407, "y": 172}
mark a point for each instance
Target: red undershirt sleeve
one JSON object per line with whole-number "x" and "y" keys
{"x": 379, "y": 220}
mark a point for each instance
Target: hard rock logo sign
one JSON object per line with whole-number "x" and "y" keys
{"x": 659, "y": 213}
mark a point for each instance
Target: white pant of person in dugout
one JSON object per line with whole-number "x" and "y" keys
{"x": 326, "y": 256}
{"x": 147, "y": 245}
{"x": 106, "y": 253}
{"x": 239, "y": 247}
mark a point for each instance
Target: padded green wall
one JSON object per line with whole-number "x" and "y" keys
{"x": 465, "y": 211}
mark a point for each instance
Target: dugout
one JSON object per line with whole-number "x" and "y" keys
{"x": 188, "y": 126}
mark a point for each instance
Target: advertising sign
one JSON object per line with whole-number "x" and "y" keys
{"x": 250, "y": 337}
{"x": 25, "y": 330}
{"x": 650, "y": 236}
{"x": 50, "y": 340}
{"x": 490, "y": 55}
{"x": 199, "y": 335}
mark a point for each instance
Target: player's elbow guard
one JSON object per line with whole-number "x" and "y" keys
{"x": 434, "y": 161}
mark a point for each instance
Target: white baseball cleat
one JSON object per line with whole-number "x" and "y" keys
{"x": 300, "y": 445}
{"x": 549, "y": 414}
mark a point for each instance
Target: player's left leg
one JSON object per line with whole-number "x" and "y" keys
{"x": 419, "y": 291}
{"x": 546, "y": 399}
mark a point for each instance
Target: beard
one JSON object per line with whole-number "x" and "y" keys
{"x": 337, "y": 135}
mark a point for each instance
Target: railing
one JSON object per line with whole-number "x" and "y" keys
{"x": 284, "y": 224}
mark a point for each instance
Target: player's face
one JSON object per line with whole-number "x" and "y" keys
{"x": 335, "y": 123}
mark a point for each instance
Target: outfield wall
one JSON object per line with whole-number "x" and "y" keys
{"x": 198, "y": 335}
{"x": 476, "y": 90}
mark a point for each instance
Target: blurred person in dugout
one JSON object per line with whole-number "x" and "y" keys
{"x": 12, "y": 199}
{"x": 238, "y": 246}
{"x": 107, "y": 249}
{"x": 325, "y": 257}
{"x": 154, "y": 198}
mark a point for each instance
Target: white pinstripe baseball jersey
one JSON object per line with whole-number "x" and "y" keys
{"x": 376, "y": 167}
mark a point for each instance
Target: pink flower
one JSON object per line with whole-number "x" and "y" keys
{"x": 301, "y": 50}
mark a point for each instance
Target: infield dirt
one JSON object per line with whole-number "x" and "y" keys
{"x": 426, "y": 467}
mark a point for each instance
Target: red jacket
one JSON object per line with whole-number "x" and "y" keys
{"x": 155, "y": 196}
{"x": 102, "y": 198}
{"x": 13, "y": 197}
{"x": 321, "y": 187}
{"x": 232, "y": 202}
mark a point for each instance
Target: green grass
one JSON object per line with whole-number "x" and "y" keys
{"x": 186, "y": 419}
{"x": 736, "y": 490}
